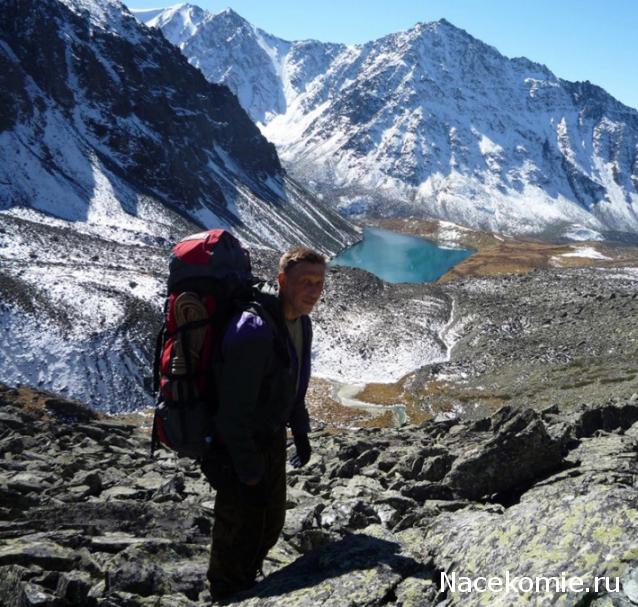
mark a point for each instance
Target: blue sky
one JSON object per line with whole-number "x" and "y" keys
{"x": 577, "y": 39}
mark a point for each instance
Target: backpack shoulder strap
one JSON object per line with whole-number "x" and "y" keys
{"x": 263, "y": 305}
{"x": 159, "y": 343}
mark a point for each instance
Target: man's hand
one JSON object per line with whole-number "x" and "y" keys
{"x": 302, "y": 451}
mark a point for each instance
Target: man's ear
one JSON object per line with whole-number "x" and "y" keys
{"x": 281, "y": 279}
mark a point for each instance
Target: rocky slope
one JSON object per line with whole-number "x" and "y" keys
{"x": 549, "y": 336}
{"x": 88, "y": 518}
{"x": 428, "y": 122}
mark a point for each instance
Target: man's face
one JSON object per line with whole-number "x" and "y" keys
{"x": 301, "y": 288}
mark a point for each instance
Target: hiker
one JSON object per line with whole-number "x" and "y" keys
{"x": 261, "y": 380}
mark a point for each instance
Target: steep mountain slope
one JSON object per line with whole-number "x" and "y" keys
{"x": 96, "y": 106}
{"x": 113, "y": 147}
{"x": 430, "y": 122}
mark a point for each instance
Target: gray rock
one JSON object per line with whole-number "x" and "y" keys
{"x": 90, "y": 478}
{"x": 12, "y": 444}
{"x": 520, "y": 490}
{"x": 14, "y": 419}
{"x": 116, "y": 542}
{"x": 435, "y": 468}
{"x": 629, "y": 583}
{"x": 74, "y": 586}
{"x": 25, "y": 482}
{"x": 97, "y": 590}
{"x": 174, "y": 486}
{"x": 309, "y": 539}
{"x": 303, "y": 517}
{"x": 11, "y": 577}
{"x": 10, "y": 498}
{"x": 35, "y": 595}
{"x": 360, "y": 569}
{"x": 69, "y": 411}
{"x": 427, "y": 491}
{"x": 346, "y": 470}
{"x": 517, "y": 450}
{"x": 578, "y": 521}
{"x": 348, "y": 514}
{"x": 177, "y": 600}
{"x": 120, "y": 492}
{"x": 45, "y": 554}
{"x": 158, "y": 568}
{"x": 151, "y": 481}
{"x": 127, "y": 599}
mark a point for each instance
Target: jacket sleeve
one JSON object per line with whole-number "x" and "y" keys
{"x": 246, "y": 351}
{"x": 299, "y": 420}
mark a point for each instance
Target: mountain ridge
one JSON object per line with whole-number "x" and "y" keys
{"x": 434, "y": 123}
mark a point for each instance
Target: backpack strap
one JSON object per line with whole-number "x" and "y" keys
{"x": 277, "y": 326}
{"x": 159, "y": 344}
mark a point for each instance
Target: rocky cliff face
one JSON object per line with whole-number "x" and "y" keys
{"x": 103, "y": 119}
{"x": 87, "y": 518}
{"x": 429, "y": 122}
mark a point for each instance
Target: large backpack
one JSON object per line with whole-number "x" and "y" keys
{"x": 209, "y": 273}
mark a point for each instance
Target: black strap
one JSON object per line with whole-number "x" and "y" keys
{"x": 154, "y": 437}
{"x": 159, "y": 345}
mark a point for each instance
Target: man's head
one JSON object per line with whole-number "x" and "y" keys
{"x": 302, "y": 273}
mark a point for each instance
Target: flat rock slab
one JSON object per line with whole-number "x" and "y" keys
{"x": 116, "y": 542}
{"x": 151, "y": 481}
{"x": 42, "y": 553}
{"x": 120, "y": 492}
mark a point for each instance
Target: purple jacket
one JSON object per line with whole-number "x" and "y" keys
{"x": 256, "y": 387}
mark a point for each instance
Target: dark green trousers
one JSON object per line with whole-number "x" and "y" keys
{"x": 243, "y": 533}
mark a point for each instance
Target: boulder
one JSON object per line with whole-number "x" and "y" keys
{"x": 516, "y": 450}
{"x": 157, "y": 568}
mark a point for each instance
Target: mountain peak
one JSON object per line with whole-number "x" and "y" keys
{"x": 185, "y": 9}
{"x": 230, "y": 12}
{"x": 443, "y": 22}
{"x": 110, "y": 15}
{"x": 229, "y": 16}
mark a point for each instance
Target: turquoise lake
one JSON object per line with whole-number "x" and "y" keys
{"x": 400, "y": 258}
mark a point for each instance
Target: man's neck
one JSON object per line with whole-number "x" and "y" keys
{"x": 289, "y": 314}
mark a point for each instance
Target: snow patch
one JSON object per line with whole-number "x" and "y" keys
{"x": 588, "y": 252}
{"x": 579, "y": 232}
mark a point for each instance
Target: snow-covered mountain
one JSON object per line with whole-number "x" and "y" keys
{"x": 113, "y": 147}
{"x": 102, "y": 113}
{"x": 428, "y": 122}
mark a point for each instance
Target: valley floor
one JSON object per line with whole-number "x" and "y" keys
{"x": 535, "y": 324}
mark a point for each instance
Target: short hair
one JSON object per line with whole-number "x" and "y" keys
{"x": 298, "y": 255}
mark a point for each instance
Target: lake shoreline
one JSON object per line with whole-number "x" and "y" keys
{"x": 397, "y": 257}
